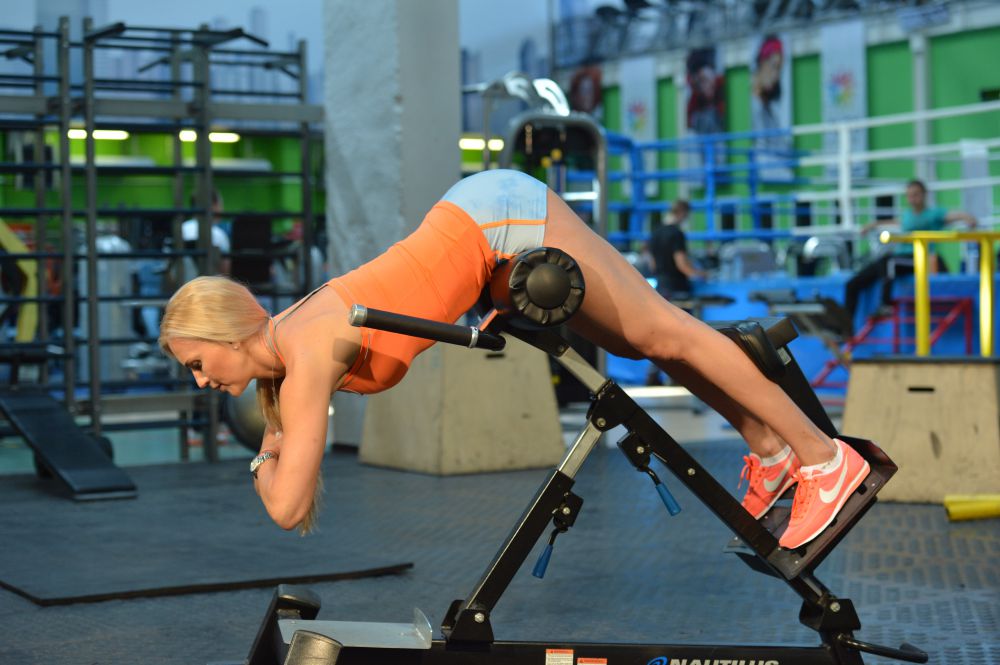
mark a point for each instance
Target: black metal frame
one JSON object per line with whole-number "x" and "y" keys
{"x": 183, "y": 99}
{"x": 289, "y": 632}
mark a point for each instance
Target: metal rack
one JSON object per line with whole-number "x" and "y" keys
{"x": 33, "y": 111}
{"x": 184, "y": 98}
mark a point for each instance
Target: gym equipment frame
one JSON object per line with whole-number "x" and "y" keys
{"x": 530, "y": 293}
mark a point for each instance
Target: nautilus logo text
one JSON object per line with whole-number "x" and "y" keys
{"x": 667, "y": 660}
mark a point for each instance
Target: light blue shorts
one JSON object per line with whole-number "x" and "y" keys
{"x": 509, "y": 206}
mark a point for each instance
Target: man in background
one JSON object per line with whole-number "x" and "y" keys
{"x": 919, "y": 216}
{"x": 668, "y": 256}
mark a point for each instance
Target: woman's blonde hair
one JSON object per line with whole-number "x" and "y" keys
{"x": 219, "y": 309}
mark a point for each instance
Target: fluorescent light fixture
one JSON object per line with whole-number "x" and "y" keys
{"x": 190, "y": 136}
{"x": 110, "y": 134}
{"x": 99, "y": 134}
{"x": 474, "y": 143}
{"x": 223, "y": 137}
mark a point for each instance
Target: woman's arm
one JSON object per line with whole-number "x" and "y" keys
{"x": 287, "y": 485}
{"x": 959, "y": 216}
{"x": 270, "y": 441}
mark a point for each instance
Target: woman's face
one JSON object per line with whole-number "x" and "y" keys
{"x": 215, "y": 365}
{"x": 769, "y": 71}
{"x": 704, "y": 82}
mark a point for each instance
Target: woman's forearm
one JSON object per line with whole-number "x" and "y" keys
{"x": 286, "y": 509}
{"x": 266, "y": 472}
{"x": 280, "y": 485}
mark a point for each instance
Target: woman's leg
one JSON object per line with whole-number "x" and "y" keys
{"x": 621, "y": 305}
{"x": 759, "y": 437}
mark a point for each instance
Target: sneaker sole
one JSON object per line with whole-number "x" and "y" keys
{"x": 854, "y": 485}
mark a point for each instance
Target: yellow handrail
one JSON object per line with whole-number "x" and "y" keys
{"x": 922, "y": 295}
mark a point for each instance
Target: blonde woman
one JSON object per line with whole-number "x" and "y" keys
{"x": 299, "y": 357}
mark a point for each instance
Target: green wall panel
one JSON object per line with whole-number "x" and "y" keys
{"x": 807, "y": 106}
{"x": 962, "y": 66}
{"x": 890, "y": 90}
{"x": 666, "y": 128}
{"x": 738, "y": 99}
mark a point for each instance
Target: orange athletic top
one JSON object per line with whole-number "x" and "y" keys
{"x": 437, "y": 272}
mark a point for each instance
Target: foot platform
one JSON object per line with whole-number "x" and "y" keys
{"x": 792, "y": 563}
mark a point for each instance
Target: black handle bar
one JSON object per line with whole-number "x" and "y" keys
{"x": 469, "y": 336}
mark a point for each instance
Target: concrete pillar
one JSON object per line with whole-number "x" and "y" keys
{"x": 392, "y": 106}
{"x": 392, "y": 103}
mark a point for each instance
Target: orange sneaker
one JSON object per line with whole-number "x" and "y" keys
{"x": 767, "y": 483}
{"x": 821, "y": 495}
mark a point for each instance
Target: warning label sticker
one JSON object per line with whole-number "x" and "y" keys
{"x": 558, "y": 657}
{"x": 591, "y": 661}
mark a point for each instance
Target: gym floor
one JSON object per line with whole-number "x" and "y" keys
{"x": 131, "y": 581}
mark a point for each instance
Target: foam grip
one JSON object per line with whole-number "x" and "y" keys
{"x": 542, "y": 287}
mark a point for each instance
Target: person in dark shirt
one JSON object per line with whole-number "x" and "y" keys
{"x": 668, "y": 257}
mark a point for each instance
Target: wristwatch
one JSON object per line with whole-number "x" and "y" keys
{"x": 260, "y": 459}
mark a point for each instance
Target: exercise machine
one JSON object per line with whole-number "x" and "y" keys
{"x": 80, "y": 462}
{"x": 531, "y": 294}
{"x": 823, "y": 318}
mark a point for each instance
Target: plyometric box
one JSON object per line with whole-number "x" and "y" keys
{"x": 467, "y": 411}
{"x": 937, "y": 418}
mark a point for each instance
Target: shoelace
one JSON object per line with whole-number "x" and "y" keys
{"x": 751, "y": 469}
{"x": 804, "y": 493}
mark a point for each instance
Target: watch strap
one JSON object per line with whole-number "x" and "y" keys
{"x": 260, "y": 459}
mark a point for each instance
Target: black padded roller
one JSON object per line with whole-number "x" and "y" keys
{"x": 539, "y": 288}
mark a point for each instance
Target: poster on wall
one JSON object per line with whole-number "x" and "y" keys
{"x": 705, "y": 109}
{"x": 771, "y": 106}
{"x": 843, "y": 72}
{"x": 586, "y": 93}
{"x": 637, "y": 77}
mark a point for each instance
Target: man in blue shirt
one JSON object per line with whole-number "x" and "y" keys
{"x": 918, "y": 217}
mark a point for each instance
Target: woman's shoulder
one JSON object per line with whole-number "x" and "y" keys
{"x": 310, "y": 327}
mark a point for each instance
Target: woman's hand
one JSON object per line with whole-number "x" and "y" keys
{"x": 271, "y": 441}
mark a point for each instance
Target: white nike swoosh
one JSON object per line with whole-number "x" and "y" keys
{"x": 770, "y": 486}
{"x": 829, "y": 497}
